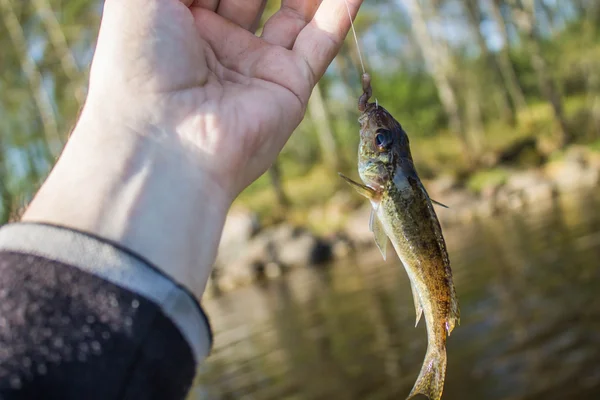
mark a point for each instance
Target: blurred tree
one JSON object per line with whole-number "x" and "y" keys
{"x": 549, "y": 15}
{"x": 525, "y": 19}
{"x": 591, "y": 51}
{"x": 506, "y": 66}
{"x": 6, "y": 202}
{"x": 58, "y": 41}
{"x": 276, "y": 182}
{"x": 494, "y": 73}
{"x": 419, "y": 53}
{"x": 319, "y": 114}
{"x": 474, "y": 117}
{"x": 39, "y": 92}
{"x": 438, "y": 65}
{"x": 44, "y": 43}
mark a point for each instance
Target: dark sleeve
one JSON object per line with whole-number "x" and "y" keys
{"x": 81, "y": 318}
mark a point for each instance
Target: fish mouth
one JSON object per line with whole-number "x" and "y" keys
{"x": 374, "y": 174}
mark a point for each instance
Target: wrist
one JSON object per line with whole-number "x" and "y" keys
{"x": 141, "y": 190}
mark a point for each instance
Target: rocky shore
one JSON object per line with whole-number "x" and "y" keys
{"x": 249, "y": 252}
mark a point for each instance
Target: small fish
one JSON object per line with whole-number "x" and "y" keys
{"x": 403, "y": 213}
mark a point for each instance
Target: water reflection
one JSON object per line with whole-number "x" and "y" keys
{"x": 529, "y": 288}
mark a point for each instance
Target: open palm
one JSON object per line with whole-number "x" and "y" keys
{"x": 195, "y": 73}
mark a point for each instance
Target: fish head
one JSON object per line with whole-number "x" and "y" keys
{"x": 383, "y": 148}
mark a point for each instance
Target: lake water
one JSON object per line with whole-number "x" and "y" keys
{"x": 529, "y": 288}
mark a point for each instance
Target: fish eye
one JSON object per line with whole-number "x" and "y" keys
{"x": 383, "y": 139}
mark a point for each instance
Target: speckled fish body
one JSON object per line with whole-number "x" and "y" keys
{"x": 403, "y": 212}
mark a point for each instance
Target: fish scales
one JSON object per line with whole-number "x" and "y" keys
{"x": 404, "y": 215}
{"x": 411, "y": 224}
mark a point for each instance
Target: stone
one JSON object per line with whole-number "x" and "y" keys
{"x": 357, "y": 226}
{"x": 569, "y": 175}
{"x": 239, "y": 228}
{"x": 524, "y": 180}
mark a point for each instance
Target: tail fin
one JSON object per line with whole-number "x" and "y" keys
{"x": 431, "y": 378}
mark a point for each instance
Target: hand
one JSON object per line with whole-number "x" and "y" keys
{"x": 195, "y": 71}
{"x": 186, "y": 107}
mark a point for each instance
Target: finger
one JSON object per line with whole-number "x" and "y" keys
{"x": 208, "y": 4}
{"x": 321, "y": 39}
{"x": 245, "y": 13}
{"x": 242, "y": 52}
{"x": 285, "y": 25}
{"x": 234, "y": 47}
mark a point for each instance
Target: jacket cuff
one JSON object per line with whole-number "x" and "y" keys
{"x": 118, "y": 265}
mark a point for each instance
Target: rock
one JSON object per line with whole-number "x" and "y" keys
{"x": 341, "y": 245}
{"x": 456, "y": 199}
{"x": 569, "y": 175}
{"x": 297, "y": 247}
{"x": 543, "y": 191}
{"x": 577, "y": 154}
{"x": 268, "y": 254}
{"x": 490, "y": 191}
{"x": 238, "y": 259}
{"x": 357, "y": 226}
{"x": 591, "y": 177}
{"x": 341, "y": 201}
{"x": 296, "y": 250}
{"x": 273, "y": 270}
{"x": 486, "y": 208}
{"x": 442, "y": 185}
{"x": 239, "y": 228}
{"x": 522, "y": 181}
{"x": 237, "y": 274}
{"x": 594, "y": 160}
{"x": 523, "y": 188}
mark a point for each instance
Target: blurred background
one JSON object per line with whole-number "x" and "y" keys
{"x": 501, "y": 100}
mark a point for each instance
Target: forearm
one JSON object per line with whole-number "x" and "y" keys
{"x": 129, "y": 186}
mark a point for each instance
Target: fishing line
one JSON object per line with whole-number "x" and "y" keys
{"x": 355, "y": 37}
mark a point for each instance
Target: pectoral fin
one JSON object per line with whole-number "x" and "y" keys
{"x": 364, "y": 190}
{"x": 418, "y": 307}
{"x": 381, "y": 239}
{"x": 438, "y": 203}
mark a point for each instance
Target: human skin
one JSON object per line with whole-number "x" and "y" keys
{"x": 186, "y": 107}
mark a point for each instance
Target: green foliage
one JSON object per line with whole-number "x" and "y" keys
{"x": 595, "y": 146}
{"x": 402, "y": 83}
{"x": 487, "y": 178}
{"x": 412, "y": 99}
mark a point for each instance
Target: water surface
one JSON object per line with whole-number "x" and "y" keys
{"x": 529, "y": 287}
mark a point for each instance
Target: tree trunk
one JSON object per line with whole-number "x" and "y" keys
{"x": 508, "y": 109}
{"x": 506, "y": 66}
{"x": 439, "y": 72}
{"x": 549, "y": 14}
{"x": 275, "y": 175}
{"x": 6, "y": 202}
{"x": 40, "y": 95}
{"x": 496, "y": 8}
{"x": 524, "y": 16}
{"x": 317, "y": 110}
{"x": 593, "y": 77}
{"x": 593, "y": 101}
{"x": 59, "y": 42}
{"x": 580, "y": 6}
{"x": 474, "y": 118}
